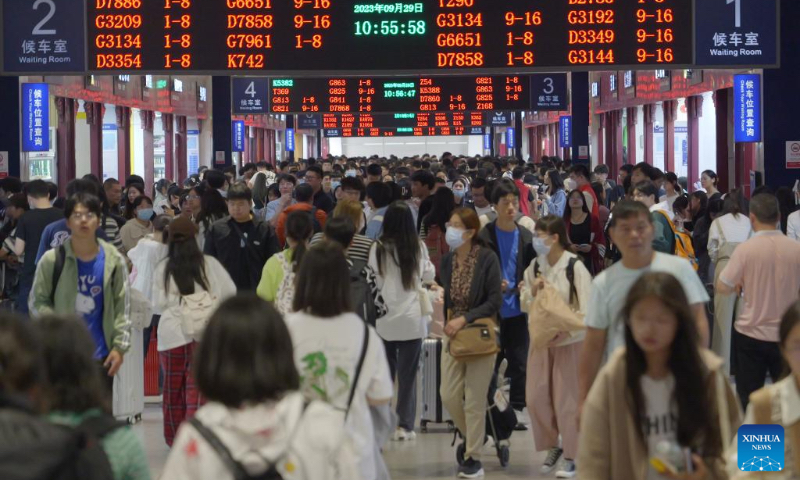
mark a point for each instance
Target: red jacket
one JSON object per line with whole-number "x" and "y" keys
{"x": 595, "y": 205}
{"x": 524, "y": 192}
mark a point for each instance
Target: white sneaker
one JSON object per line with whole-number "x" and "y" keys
{"x": 521, "y": 417}
{"x": 402, "y": 435}
{"x": 550, "y": 462}
{"x": 568, "y": 470}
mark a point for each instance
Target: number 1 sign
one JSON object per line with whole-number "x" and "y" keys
{"x": 44, "y": 36}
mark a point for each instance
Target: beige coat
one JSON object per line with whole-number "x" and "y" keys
{"x": 609, "y": 447}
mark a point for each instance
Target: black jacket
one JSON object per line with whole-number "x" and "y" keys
{"x": 525, "y": 251}
{"x": 485, "y": 296}
{"x": 243, "y": 258}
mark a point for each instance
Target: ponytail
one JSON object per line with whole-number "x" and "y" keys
{"x": 299, "y": 227}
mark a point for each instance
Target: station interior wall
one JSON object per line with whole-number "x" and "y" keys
{"x": 406, "y": 146}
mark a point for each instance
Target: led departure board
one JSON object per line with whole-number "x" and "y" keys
{"x": 403, "y": 120}
{"x": 399, "y": 94}
{"x": 359, "y": 36}
{"x": 402, "y": 131}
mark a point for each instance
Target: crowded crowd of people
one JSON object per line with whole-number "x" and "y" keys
{"x": 632, "y": 321}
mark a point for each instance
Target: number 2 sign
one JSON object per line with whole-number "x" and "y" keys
{"x": 43, "y": 36}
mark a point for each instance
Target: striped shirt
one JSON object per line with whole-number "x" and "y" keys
{"x": 111, "y": 227}
{"x": 359, "y": 249}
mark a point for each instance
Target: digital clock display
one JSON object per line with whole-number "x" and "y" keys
{"x": 359, "y": 36}
{"x": 427, "y": 94}
{"x": 406, "y": 120}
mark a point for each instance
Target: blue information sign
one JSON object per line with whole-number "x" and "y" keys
{"x": 510, "y": 140}
{"x": 35, "y": 117}
{"x": 487, "y": 141}
{"x": 249, "y": 95}
{"x": 747, "y": 108}
{"x": 237, "y": 134}
{"x": 565, "y": 131}
{"x": 549, "y": 91}
{"x": 736, "y": 32}
{"x": 43, "y": 36}
{"x": 290, "y": 139}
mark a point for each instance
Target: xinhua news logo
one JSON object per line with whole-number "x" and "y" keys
{"x": 761, "y": 448}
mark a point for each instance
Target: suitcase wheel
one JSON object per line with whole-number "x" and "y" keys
{"x": 451, "y": 427}
{"x": 504, "y": 454}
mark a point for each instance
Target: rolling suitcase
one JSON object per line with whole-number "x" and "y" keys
{"x": 128, "y": 399}
{"x": 432, "y": 409}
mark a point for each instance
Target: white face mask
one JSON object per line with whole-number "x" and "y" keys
{"x": 542, "y": 249}
{"x": 570, "y": 184}
{"x": 454, "y": 237}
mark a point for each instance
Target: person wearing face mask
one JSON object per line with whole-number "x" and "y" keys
{"x": 471, "y": 277}
{"x": 460, "y": 186}
{"x": 552, "y": 379}
{"x": 135, "y": 230}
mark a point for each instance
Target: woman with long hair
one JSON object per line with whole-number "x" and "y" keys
{"x": 183, "y": 272}
{"x": 660, "y": 400}
{"x": 75, "y": 393}
{"x": 728, "y": 230}
{"x": 710, "y": 183}
{"x": 277, "y": 278}
{"x": 777, "y": 404}
{"x": 131, "y": 193}
{"x": 673, "y": 189}
{"x": 552, "y": 374}
{"x": 141, "y": 226}
{"x": 260, "y": 194}
{"x": 245, "y": 370}
{"x": 460, "y": 189}
{"x": 585, "y": 232}
{"x": 434, "y": 225}
{"x": 400, "y": 261}
{"x": 341, "y": 358}
{"x": 471, "y": 278}
{"x": 556, "y": 197}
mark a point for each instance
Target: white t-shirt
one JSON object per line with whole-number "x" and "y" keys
{"x": 793, "y": 226}
{"x": 165, "y": 301}
{"x": 404, "y": 320}
{"x": 610, "y": 290}
{"x": 326, "y": 352}
{"x": 661, "y": 417}
{"x": 734, "y": 229}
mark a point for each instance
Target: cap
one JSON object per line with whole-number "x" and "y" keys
{"x": 182, "y": 229}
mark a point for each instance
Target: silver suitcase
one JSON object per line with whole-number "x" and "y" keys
{"x": 432, "y": 409}
{"x": 128, "y": 400}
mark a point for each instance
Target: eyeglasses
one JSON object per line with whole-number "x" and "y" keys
{"x": 192, "y": 197}
{"x": 83, "y": 216}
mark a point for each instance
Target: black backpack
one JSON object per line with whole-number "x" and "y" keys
{"x": 314, "y": 221}
{"x": 31, "y": 448}
{"x": 361, "y": 293}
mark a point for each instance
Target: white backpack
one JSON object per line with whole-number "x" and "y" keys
{"x": 194, "y": 311}
{"x": 285, "y": 295}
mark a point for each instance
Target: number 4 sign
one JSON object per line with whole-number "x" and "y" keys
{"x": 43, "y": 36}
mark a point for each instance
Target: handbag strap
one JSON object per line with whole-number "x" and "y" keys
{"x": 360, "y": 365}
{"x": 573, "y": 292}
{"x": 249, "y": 246}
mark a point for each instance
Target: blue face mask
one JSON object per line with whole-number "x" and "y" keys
{"x": 335, "y": 185}
{"x": 350, "y": 173}
{"x": 145, "y": 214}
{"x": 459, "y": 194}
{"x": 301, "y": 181}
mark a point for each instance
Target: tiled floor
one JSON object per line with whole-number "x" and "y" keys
{"x": 429, "y": 457}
